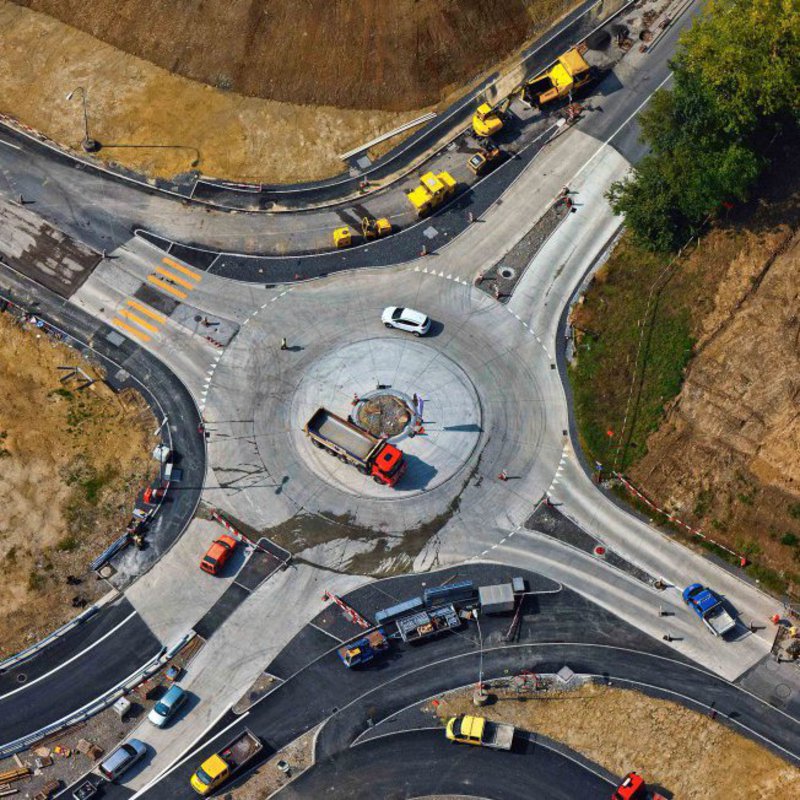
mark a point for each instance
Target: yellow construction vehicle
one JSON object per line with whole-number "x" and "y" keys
{"x": 372, "y": 228}
{"x": 484, "y": 159}
{"x": 342, "y": 237}
{"x": 486, "y": 121}
{"x": 569, "y": 74}
{"x": 432, "y": 192}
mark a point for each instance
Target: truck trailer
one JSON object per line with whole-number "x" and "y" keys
{"x": 353, "y": 445}
{"x": 427, "y": 623}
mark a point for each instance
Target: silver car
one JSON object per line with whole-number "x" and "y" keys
{"x": 406, "y": 319}
{"x": 122, "y": 759}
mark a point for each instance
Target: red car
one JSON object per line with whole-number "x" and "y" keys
{"x": 219, "y": 552}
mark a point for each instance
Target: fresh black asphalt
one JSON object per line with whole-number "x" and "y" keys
{"x": 557, "y": 629}
{"x": 77, "y": 683}
{"x": 572, "y": 28}
{"x": 422, "y": 763}
{"x": 65, "y": 647}
{"x": 61, "y": 194}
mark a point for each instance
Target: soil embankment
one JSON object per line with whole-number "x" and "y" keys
{"x": 72, "y": 460}
{"x": 700, "y": 405}
{"x": 345, "y": 53}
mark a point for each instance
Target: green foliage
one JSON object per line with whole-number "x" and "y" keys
{"x": 794, "y": 510}
{"x": 789, "y": 539}
{"x": 736, "y": 80}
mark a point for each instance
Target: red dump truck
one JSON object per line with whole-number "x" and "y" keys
{"x": 349, "y": 443}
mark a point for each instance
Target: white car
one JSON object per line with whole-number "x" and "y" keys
{"x": 406, "y": 319}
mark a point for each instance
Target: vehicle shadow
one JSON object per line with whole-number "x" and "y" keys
{"x": 418, "y": 474}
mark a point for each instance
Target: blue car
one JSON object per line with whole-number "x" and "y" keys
{"x": 166, "y": 708}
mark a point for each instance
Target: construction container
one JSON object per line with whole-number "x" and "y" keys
{"x": 497, "y": 599}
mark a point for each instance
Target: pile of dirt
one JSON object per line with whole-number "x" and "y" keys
{"x": 623, "y": 730}
{"x": 366, "y": 54}
{"x": 71, "y": 463}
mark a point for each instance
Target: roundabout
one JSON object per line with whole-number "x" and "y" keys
{"x": 482, "y": 390}
{"x": 375, "y": 383}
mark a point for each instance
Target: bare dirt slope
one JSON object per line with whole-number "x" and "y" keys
{"x": 71, "y": 463}
{"x": 346, "y": 53}
{"x": 726, "y": 456}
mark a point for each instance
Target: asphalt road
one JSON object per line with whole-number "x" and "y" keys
{"x": 63, "y": 679}
{"x": 423, "y": 763}
{"x": 110, "y": 660}
{"x": 127, "y": 364}
{"x": 68, "y": 197}
{"x": 557, "y": 629}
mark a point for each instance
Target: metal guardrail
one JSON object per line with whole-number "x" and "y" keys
{"x": 31, "y": 651}
{"x": 100, "y": 703}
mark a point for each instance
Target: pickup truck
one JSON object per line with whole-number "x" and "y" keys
{"x": 225, "y": 763}
{"x": 363, "y": 650}
{"x": 479, "y": 731}
{"x": 709, "y": 607}
{"x": 370, "y": 455}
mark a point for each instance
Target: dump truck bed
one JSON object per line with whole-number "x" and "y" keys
{"x": 337, "y": 430}
{"x": 241, "y": 750}
{"x": 498, "y": 735}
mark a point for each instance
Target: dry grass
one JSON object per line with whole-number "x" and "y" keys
{"x": 71, "y": 463}
{"x": 328, "y": 88}
{"x": 687, "y": 753}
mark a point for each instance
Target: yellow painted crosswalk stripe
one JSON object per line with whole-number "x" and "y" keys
{"x": 179, "y": 281}
{"x": 175, "y": 265}
{"x": 166, "y": 287}
{"x": 138, "y": 320}
{"x": 148, "y": 311}
{"x": 130, "y": 329}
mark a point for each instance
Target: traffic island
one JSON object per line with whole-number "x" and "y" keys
{"x": 427, "y": 407}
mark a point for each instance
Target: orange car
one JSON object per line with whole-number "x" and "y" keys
{"x": 219, "y": 552}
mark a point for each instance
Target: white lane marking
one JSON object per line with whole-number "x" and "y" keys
{"x": 70, "y": 660}
{"x": 9, "y": 144}
{"x": 327, "y": 633}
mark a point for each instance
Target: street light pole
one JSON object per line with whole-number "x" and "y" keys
{"x": 88, "y": 144}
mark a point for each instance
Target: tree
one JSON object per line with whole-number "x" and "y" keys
{"x": 736, "y": 80}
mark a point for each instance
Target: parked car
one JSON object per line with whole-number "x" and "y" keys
{"x": 166, "y": 708}
{"x": 219, "y": 552}
{"x": 122, "y": 759}
{"x": 406, "y": 319}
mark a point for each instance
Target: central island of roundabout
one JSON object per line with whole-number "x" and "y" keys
{"x": 427, "y": 407}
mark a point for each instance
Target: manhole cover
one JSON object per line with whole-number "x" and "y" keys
{"x": 507, "y": 272}
{"x": 783, "y": 691}
{"x": 22, "y": 677}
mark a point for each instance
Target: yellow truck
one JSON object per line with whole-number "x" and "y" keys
{"x": 479, "y": 731}
{"x": 569, "y": 74}
{"x": 225, "y": 763}
{"x": 432, "y": 192}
